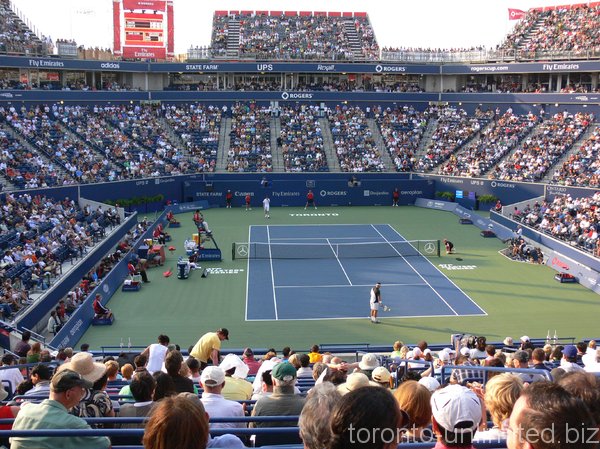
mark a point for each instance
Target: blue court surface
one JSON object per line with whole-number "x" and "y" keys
{"x": 327, "y": 272}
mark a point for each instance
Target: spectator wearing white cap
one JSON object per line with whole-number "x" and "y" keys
{"x": 353, "y": 381}
{"x": 236, "y": 387}
{"x": 508, "y": 344}
{"x": 525, "y": 343}
{"x": 431, "y": 383}
{"x": 367, "y": 364}
{"x": 456, "y": 414}
{"x": 212, "y": 380}
{"x": 381, "y": 377}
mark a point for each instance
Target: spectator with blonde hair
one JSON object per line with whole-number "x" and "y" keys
{"x": 127, "y": 372}
{"x": 396, "y": 353}
{"x": 414, "y": 399}
{"x": 501, "y": 393}
{"x": 112, "y": 371}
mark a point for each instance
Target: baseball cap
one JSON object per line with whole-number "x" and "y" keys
{"x": 234, "y": 361}
{"x": 284, "y": 371}
{"x": 570, "y": 351}
{"x": 67, "y": 379}
{"x": 456, "y": 404}
{"x": 524, "y": 338}
{"x": 368, "y": 362}
{"x": 223, "y": 331}
{"x": 465, "y": 351}
{"x": 508, "y": 341}
{"x": 417, "y": 352}
{"x": 212, "y": 376}
{"x": 431, "y": 383}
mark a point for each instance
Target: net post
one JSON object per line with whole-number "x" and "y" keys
{"x": 438, "y": 247}
{"x": 233, "y": 251}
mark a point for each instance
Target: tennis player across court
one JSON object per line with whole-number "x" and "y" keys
{"x": 375, "y": 302}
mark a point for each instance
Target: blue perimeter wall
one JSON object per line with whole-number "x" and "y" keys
{"x": 287, "y": 189}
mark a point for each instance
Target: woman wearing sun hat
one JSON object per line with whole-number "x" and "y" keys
{"x": 95, "y": 403}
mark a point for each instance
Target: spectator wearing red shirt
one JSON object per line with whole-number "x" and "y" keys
{"x": 251, "y": 362}
{"x": 99, "y": 310}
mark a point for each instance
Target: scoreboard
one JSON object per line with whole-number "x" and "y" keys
{"x": 143, "y": 29}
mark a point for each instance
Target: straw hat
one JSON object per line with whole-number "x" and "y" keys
{"x": 84, "y": 364}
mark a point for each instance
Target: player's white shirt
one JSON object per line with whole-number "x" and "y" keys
{"x": 373, "y": 298}
{"x": 266, "y": 203}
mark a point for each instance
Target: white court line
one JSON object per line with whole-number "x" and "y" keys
{"x": 418, "y": 274}
{"x": 449, "y": 280}
{"x": 272, "y": 274}
{"x": 338, "y": 286}
{"x": 322, "y": 238}
{"x": 339, "y": 262}
{"x": 384, "y": 317}
{"x": 248, "y": 272}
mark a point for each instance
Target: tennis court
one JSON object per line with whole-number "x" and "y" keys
{"x": 310, "y": 272}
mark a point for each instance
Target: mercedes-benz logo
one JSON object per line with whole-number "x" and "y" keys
{"x": 429, "y": 248}
{"x": 242, "y": 250}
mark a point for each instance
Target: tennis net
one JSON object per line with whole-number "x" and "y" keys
{"x": 359, "y": 250}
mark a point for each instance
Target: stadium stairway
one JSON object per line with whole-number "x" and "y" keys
{"x": 534, "y": 132}
{"x": 174, "y": 137}
{"x": 99, "y": 156}
{"x": 429, "y": 130}
{"x": 233, "y": 37}
{"x": 385, "y": 154}
{"x": 34, "y": 150}
{"x": 276, "y": 152}
{"x": 224, "y": 143}
{"x": 532, "y": 31}
{"x": 574, "y": 149}
{"x": 353, "y": 39}
{"x": 332, "y": 159}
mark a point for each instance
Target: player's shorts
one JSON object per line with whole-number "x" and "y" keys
{"x": 310, "y": 201}
{"x": 266, "y": 208}
{"x": 374, "y": 306}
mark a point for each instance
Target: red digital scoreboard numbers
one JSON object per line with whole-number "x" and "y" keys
{"x": 144, "y": 29}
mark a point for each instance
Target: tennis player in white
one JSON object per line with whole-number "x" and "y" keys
{"x": 375, "y": 301}
{"x": 267, "y": 206}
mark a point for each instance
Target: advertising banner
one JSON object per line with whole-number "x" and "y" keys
{"x": 155, "y": 5}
